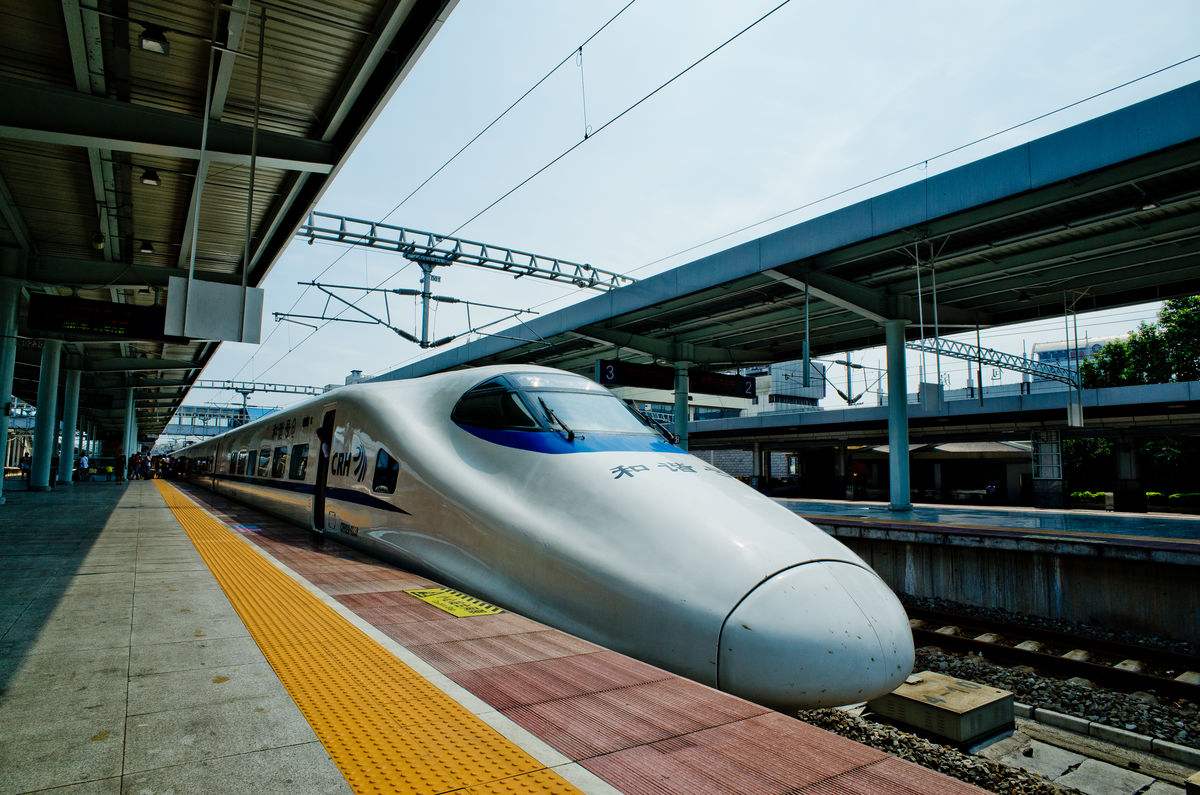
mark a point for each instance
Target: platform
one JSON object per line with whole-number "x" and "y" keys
{"x": 159, "y": 639}
{"x": 1056, "y": 565}
{"x": 1035, "y": 520}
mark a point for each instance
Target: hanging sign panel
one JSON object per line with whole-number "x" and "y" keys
{"x": 70, "y": 318}
{"x": 612, "y": 373}
{"x": 707, "y": 382}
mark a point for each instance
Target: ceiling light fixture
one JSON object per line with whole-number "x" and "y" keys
{"x": 150, "y": 177}
{"x": 154, "y": 39}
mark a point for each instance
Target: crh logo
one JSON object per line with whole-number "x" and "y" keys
{"x": 341, "y": 463}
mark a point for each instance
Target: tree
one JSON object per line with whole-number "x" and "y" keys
{"x": 1180, "y": 322}
{"x": 1154, "y": 353}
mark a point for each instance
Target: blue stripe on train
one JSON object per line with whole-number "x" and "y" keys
{"x": 331, "y": 492}
{"x": 556, "y": 443}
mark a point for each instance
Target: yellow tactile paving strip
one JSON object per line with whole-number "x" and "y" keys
{"x": 386, "y": 727}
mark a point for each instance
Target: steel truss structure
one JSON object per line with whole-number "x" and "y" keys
{"x": 247, "y": 387}
{"x": 429, "y": 249}
{"x": 994, "y": 358}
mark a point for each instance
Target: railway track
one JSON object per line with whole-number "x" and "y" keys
{"x": 1112, "y": 664}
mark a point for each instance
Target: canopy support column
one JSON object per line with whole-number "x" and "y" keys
{"x": 70, "y": 421}
{"x": 897, "y": 386}
{"x": 681, "y": 403}
{"x": 10, "y": 297}
{"x": 130, "y": 425}
{"x": 47, "y": 416}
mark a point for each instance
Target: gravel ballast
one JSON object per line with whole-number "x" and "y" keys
{"x": 975, "y": 770}
{"x": 1175, "y": 720}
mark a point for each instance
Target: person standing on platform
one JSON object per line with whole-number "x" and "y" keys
{"x": 85, "y": 465}
{"x": 120, "y": 465}
{"x": 26, "y": 466}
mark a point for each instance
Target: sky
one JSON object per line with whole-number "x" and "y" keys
{"x": 816, "y": 98}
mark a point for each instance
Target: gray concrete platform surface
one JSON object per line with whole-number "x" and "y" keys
{"x": 124, "y": 668}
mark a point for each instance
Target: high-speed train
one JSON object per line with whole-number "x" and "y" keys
{"x": 541, "y": 491}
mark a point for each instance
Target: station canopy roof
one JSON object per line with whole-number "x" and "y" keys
{"x": 102, "y": 167}
{"x": 1102, "y": 214}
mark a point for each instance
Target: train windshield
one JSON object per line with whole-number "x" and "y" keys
{"x": 559, "y": 402}
{"x": 586, "y": 411}
{"x": 569, "y": 402}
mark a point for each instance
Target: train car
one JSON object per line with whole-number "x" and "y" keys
{"x": 541, "y": 491}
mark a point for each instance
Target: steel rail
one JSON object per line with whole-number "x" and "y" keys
{"x": 1098, "y": 672}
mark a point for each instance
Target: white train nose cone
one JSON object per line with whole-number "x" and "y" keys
{"x": 817, "y": 635}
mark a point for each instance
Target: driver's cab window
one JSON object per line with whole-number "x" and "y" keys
{"x": 493, "y": 404}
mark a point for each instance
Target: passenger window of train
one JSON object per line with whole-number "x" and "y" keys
{"x": 279, "y": 463}
{"x": 233, "y": 462}
{"x": 264, "y": 462}
{"x": 491, "y": 405}
{"x": 299, "y": 467}
{"x": 242, "y": 457}
{"x": 386, "y": 471}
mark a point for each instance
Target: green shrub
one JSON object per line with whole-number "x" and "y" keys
{"x": 1187, "y": 499}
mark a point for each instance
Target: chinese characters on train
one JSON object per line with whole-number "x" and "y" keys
{"x": 631, "y": 470}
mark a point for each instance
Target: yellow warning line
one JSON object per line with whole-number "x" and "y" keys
{"x": 386, "y": 727}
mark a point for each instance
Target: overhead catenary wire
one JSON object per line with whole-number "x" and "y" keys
{"x": 894, "y": 172}
{"x": 433, "y": 174}
{"x": 550, "y": 164}
{"x": 921, "y": 163}
{"x": 629, "y": 109}
{"x": 924, "y": 161}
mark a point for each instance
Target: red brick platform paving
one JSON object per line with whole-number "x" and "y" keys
{"x": 641, "y": 729}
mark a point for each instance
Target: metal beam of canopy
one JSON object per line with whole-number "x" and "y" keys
{"x": 134, "y": 364}
{"x": 87, "y": 65}
{"x": 673, "y": 351}
{"x": 874, "y": 304}
{"x": 30, "y": 112}
{"x": 68, "y": 272}
{"x": 11, "y": 214}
